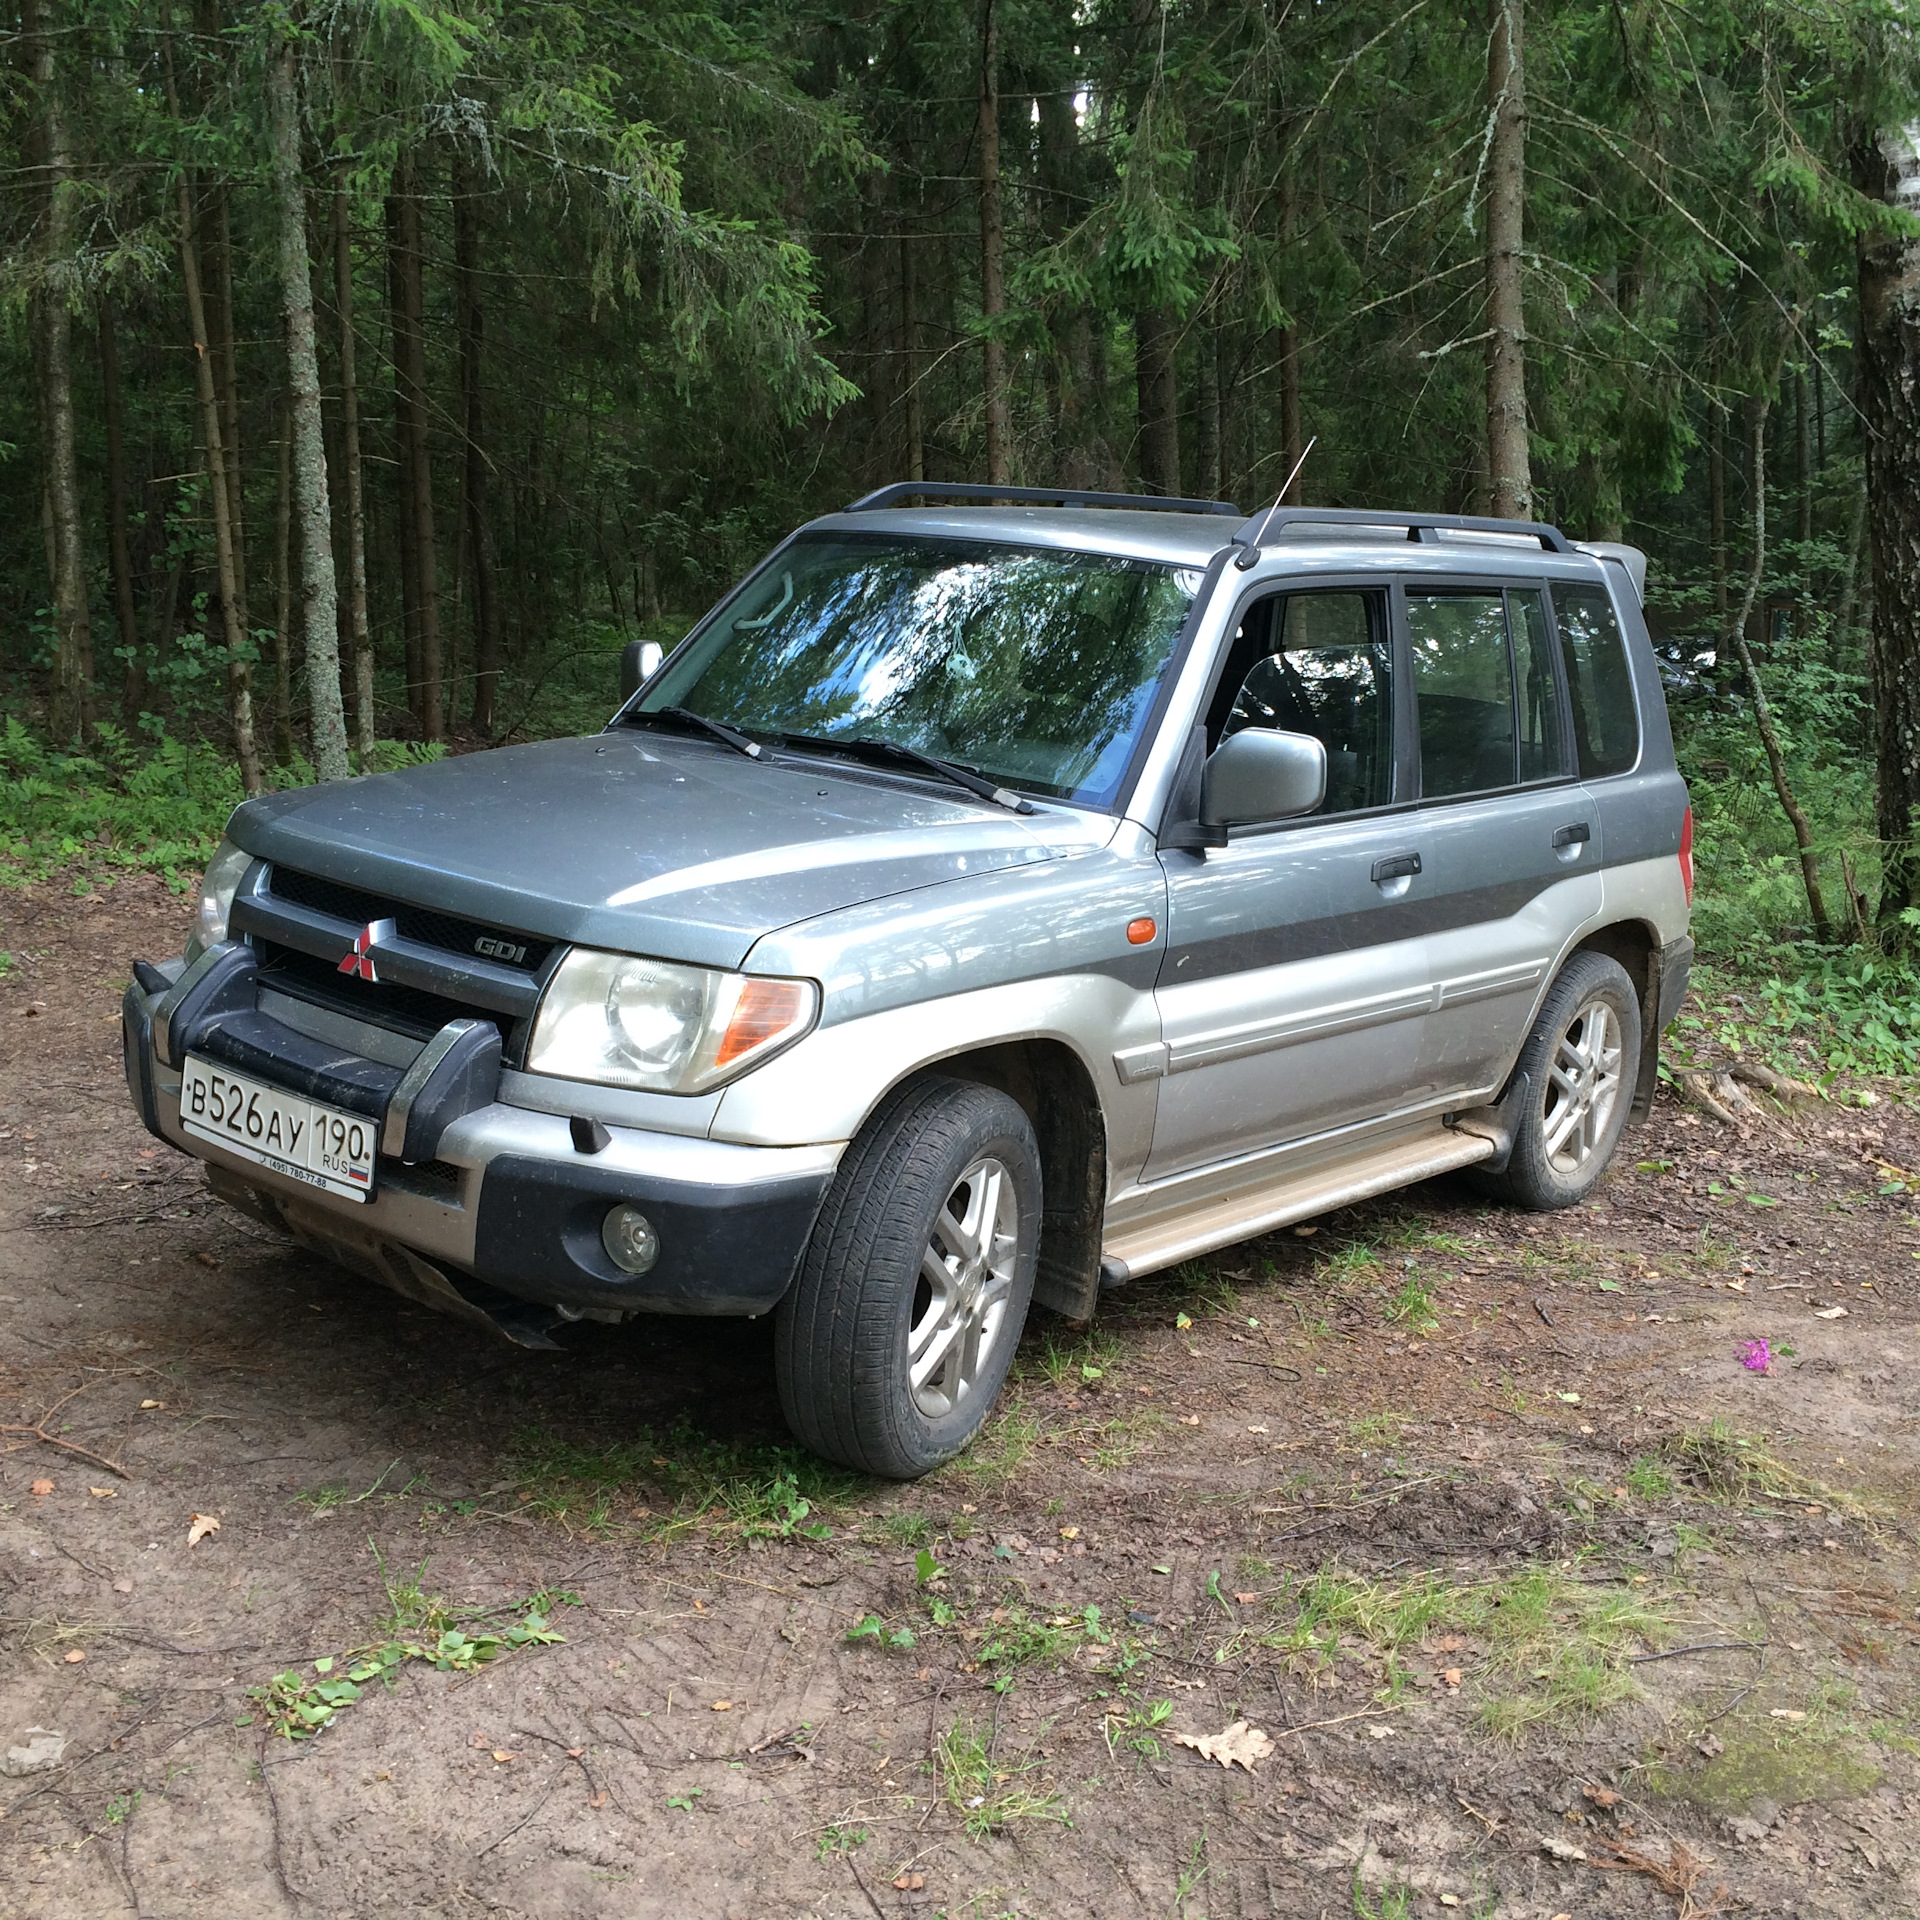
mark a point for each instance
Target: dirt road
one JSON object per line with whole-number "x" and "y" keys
{"x": 1545, "y": 1603}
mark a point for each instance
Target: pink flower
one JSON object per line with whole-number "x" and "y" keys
{"x": 1756, "y": 1356}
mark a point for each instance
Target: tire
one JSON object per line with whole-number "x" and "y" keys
{"x": 1576, "y": 1104}
{"x": 890, "y": 1280}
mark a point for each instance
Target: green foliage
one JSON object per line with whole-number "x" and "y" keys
{"x": 990, "y": 1796}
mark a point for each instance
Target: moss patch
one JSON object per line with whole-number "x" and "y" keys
{"x": 1786, "y": 1768}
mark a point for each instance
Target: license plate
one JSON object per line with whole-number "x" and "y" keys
{"x": 320, "y": 1146}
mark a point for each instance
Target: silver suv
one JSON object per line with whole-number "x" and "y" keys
{"x": 993, "y": 900}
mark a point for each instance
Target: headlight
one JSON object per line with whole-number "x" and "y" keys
{"x": 624, "y": 1022}
{"x": 217, "y": 888}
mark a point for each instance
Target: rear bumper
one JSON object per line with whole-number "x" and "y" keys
{"x": 484, "y": 1195}
{"x": 1675, "y": 963}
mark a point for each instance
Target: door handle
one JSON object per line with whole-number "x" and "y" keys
{"x": 1396, "y": 866}
{"x": 1574, "y": 835}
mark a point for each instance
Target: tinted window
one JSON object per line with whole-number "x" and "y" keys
{"x": 1038, "y": 668}
{"x": 1327, "y": 670}
{"x": 1606, "y": 727}
{"x": 1536, "y": 696}
{"x": 1463, "y": 682}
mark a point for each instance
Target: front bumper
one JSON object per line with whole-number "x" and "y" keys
{"x": 477, "y": 1200}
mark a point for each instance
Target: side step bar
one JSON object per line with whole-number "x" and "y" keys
{"x": 1164, "y": 1240}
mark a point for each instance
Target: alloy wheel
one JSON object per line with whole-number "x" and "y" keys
{"x": 966, "y": 1279}
{"x": 1583, "y": 1086}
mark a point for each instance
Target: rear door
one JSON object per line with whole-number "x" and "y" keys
{"x": 1294, "y": 991}
{"x": 1508, "y": 838}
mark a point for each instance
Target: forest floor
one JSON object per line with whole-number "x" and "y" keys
{"x": 1547, "y": 1604}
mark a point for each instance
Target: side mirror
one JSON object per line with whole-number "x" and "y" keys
{"x": 639, "y": 662}
{"x": 1260, "y": 774}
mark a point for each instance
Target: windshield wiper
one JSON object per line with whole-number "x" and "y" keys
{"x": 717, "y": 728}
{"x": 862, "y": 748}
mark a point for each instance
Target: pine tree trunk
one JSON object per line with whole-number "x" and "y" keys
{"x": 283, "y": 600}
{"x": 312, "y": 515}
{"x": 479, "y": 521}
{"x": 356, "y": 503}
{"x": 910, "y": 362}
{"x": 993, "y": 299}
{"x": 1717, "y": 506}
{"x": 1206, "y": 481}
{"x": 1762, "y": 712}
{"x": 239, "y": 671}
{"x": 1293, "y": 434}
{"x": 419, "y": 454}
{"x": 119, "y": 555}
{"x": 403, "y": 447}
{"x": 1889, "y": 356}
{"x": 1158, "y": 398}
{"x": 1802, "y": 460}
{"x": 226, "y": 358}
{"x": 69, "y": 711}
{"x": 1509, "y": 466}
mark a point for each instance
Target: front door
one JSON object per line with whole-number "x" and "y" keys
{"x": 1294, "y": 993}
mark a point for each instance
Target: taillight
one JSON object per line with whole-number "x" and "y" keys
{"x": 1686, "y": 853}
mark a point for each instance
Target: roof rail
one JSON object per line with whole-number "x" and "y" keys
{"x": 1033, "y": 497}
{"x": 1424, "y": 527}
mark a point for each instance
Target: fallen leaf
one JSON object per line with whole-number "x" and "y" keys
{"x": 75, "y": 1657}
{"x": 576, "y": 1753}
{"x": 1711, "y": 1745}
{"x": 911, "y": 1882}
{"x": 1238, "y": 1746}
{"x": 1829, "y": 1313}
{"x": 501, "y": 1756}
{"x": 102, "y": 1493}
{"x": 199, "y": 1525}
{"x": 1256, "y": 1429}
{"x": 1601, "y": 1796}
{"x": 41, "y": 1488}
{"x": 1246, "y": 1599}
{"x": 123, "y": 1586}
{"x": 1183, "y": 1321}
{"x": 1572, "y": 1399}
{"x": 148, "y": 1406}
{"x": 1786, "y": 1713}
{"x": 1449, "y": 1899}
{"x": 1069, "y": 1533}
{"x": 723, "y": 1706}
{"x": 1562, "y": 1849}
{"x": 1451, "y": 1676}
{"x": 1191, "y": 1420}
{"x": 1379, "y": 1730}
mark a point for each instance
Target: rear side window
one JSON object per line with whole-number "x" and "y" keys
{"x": 1606, "y": 725}
{"x": 1463, "y": 682}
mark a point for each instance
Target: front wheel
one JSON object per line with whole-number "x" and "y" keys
{"x": 895, "y": 1339}
{"x": 1581, "y": 1061}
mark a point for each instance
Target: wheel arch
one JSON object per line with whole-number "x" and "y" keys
{"x": 1635, "y": 946}
{"x": 1050, "y": 1083}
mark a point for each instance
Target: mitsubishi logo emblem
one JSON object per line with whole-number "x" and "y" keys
{"x": 360, "y": 961}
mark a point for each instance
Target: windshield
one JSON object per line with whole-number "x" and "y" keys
{"x": 1036, "y": 667}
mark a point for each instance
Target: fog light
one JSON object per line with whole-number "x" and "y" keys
{"x": 629, "y": 1238}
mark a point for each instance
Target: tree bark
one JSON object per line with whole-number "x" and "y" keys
{"x": 403, "y": 449}
{"x": 1717, "y": 506}
{"x": 1889, "y": 359}
{"x": 1762, "y": 713}
{"x": 910, "y": 362}
{"x": 69, "y": 710}
{"x": 312, "y": 514}
{"x": 283, "y": 600}
{"x": 1155, "y": 334}
{"x": 356, "y": 514}
{"x": 1509, "y": 467}
{"x": 419, "y": 508}
{"x": 1802, "y": 461}
{"x": 479, "y": 521}
{"x": 1206, "y": 481}
{"x": 993, "y": 298}
{"x": 226, "y": 367}
{"x": 119, "y": 555}
{"x": 239, "y": 669}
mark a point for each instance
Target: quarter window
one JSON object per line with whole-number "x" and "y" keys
{"x": 1484, "y": 685}
{"x": 1606, "y": 727}
{"x": 1322, "y": 664}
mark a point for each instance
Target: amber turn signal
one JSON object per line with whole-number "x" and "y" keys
{"x": 1140, "y": 931}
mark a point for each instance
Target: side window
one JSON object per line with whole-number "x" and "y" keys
{"x": 1463, "y": 684}
{"x": 1323, "y": 665}
{"x": 1606, "y": 725}
{"x": 1535, "y": 694}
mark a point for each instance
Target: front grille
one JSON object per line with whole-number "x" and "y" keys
{"x": 523, "y": 952}
{"x": 321, "y": 983}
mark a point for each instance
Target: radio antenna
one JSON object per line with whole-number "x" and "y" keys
{"x": 1250, "y": 554}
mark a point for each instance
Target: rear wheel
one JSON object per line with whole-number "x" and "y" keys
{"x": 1581, "y": 1061}
{"x": 896, "y": 1337}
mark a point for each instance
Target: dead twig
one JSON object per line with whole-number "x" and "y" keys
{"x": 1678, "y": 1875}
{"x": 860, "y": 1882}
{"x": 39, "y": 1432}
{"x": 1699, "y": 1646}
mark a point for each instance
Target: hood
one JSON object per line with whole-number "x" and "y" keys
{"x": 639, "y": 841}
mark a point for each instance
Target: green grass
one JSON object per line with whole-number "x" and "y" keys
{"x": 681, "y": 1482}
{"x": 1412, "y": 1305}
{"x": 1648, "y": 1478}
{"x": 987, "y": 1795}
